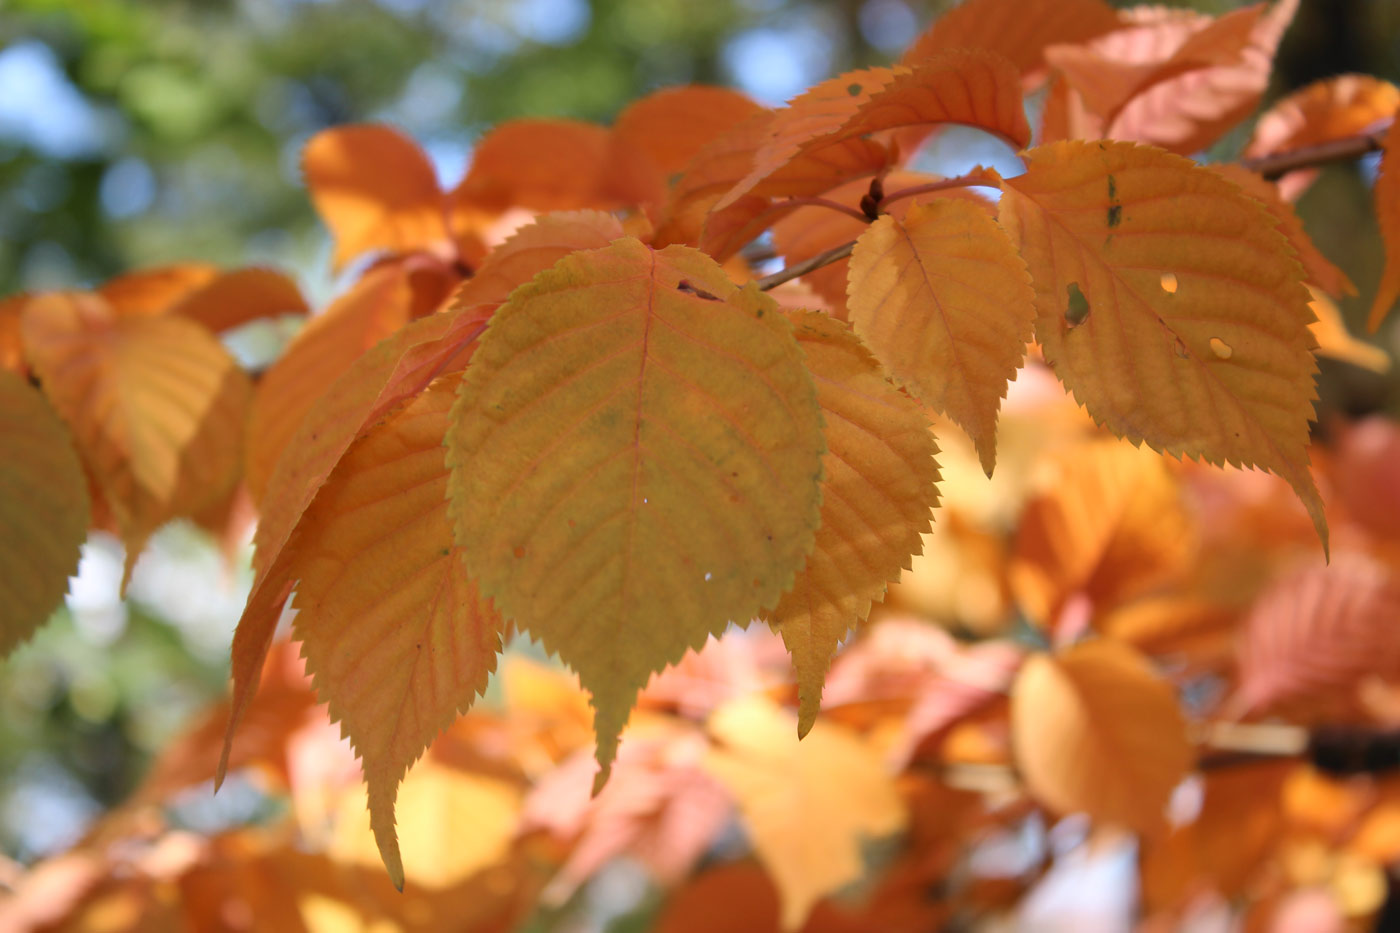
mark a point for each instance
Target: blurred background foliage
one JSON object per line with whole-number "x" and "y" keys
{"x": 141, "y": 132}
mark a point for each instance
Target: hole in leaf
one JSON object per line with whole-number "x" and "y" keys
{"x": 1169, "y": 283}
{"x": 1221, "y": 349}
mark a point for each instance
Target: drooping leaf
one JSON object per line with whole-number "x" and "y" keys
{"x": 375, "y": 307}
{"x": 375, "y": 189}
{"x": 1325, "y": 110}
{"x": 1319, "y": 630}
{"x": 534, "y": 248}
{"x": 1192, "y": 111}
{"x": 878, "y": 488}
{"x": 807, "y": 805}
{"x": 395, "y": 635}
{"x": 374, "y": 385}
{"x": 1320, "y": 270}
{"x": 1018, "y": 30}
{"x": 154, "y": 290}
{"x": 542, "y": 165}
{"x": 636, "y": 455}
{"x": 1168, "y": 303}
{"x": 43, "y": 510}
{"x": 1387, "y": 197}
{"x": 240, "y": 296}
{"x": 655, "y": 137}
{"x": 945, "y": 303}
{"x": 1108, "y": 524}
{"x": 1096, "y": 730}
{"x": 156, "y": 406}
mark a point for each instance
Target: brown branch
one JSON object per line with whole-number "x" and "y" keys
{"x": 1278, "y": 164}
{"x": 835, "y": 254}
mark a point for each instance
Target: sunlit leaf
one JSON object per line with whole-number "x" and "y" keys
{"x": 877, "y": 491}
{"x": 542, "y": 165}
{"x": 375, "y": 190}
{"x": 636, "y": 455}
{"x": 1018, "y": 30}
{"x": 1336, "y": 342}
{"x": 1169, "y": 305}
{"x": 43, "y": 510}
{"x": 1096, "y": 730}
{"x": 807, "y": 805}
{"x": 534, "y": 248}
{"x": 944, "y": 301}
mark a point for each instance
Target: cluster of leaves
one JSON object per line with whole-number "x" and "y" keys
{"x": 647, "y": 442}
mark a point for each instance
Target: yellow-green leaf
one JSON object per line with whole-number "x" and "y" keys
{"x": 636, "y": 458}
{"x": 878, "y": 488}
{"x": 1170, "y": 305}
{"x": 395, "y": 635}
{"x": 944, "y": 301}
{"x": 43, "y": 510}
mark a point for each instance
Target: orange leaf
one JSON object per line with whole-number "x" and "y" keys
{"x": 1321, "y": 112}
{"x": 1335, "y": 341}
{"x": 240, "y": 296}
{"x": 878, "y": 488}
{"x": 946, "y": 304}
{"x": 11, "y": 343}
{"x": 375, "y": 189}
{"x": 1096, "y": 730}
{"x": 1387, "y": 196}
{"x": 672, "y": 488}
{"x": 1166, "y": 328}
{"x": 534, "y": 248}
{"x": 373, "y": 386}
{"x": 381, "y": 588}
{"x": 542, "y": 165}
{"x": 154, "y": 291}
{"x": 1018, "y": 30}
{"x": 655, "y": 137}
{"x": 1190, "y": 112}
{"x": 1109, "y": 524}
{"x": 1318, "y": 630}
{"x": 43, "y": 510}
{"x": 156, "y": 405}
{"x": 374, "y": 307}
{"x": 807, "y": 806}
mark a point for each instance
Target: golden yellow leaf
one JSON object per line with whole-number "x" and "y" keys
{"x": 156, "y": 405}
{"x": 541, "y": 165}
{"x": 1018, "y": 30}
{"x": 375, "y": 189}
{"x": 1170, "y": 305}
{"x": 376, "y": 384}
{"x": 1096, "y": 730}
{"x": 1387, "y": 197}
{"x": 877, "y": 491}
{"x": 1335, "y": 341}
{"x": 534, "y": 248}
{"x": 1108, "y": 523}
{"x": 636, "y": 457}
{"x": 946, "y": 304}
{"x": 807, "y": 805}
{"x": 43, "y": 510}
{"x": 374, "y": 307}
{"x": 395, "y": 636}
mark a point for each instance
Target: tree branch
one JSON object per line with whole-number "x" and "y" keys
{"x": 835, "y": 254}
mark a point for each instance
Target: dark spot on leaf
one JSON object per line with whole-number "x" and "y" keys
{"x": 1077, "y": 310}
{"x": 853, "y": 89}
{"x": 1115, "y": 215}
{"x": 446, "y": 551}
{"x": 1112, "y": 188}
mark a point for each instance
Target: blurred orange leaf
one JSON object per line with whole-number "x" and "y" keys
{"x": 541, "y": 165}
{"x": 1018, "y": 30}
{"x": 1387, "y": 198}
{"x": 240, "y": 296}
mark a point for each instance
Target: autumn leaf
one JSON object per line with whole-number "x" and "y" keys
{"x": 11, "y": 343}
{"x": 1096, "y": 730}
{"x": 636, "y": 456}
{"x": 1018, "y": 30}
{"x": 240, "y": 296}
{"x": 1168, "y": 303}
{"x": 946, "y": 304}
{"x": 807, "y": 806}
{"x": 1335, "y": 341}
{"x": 541, "y": 165}
{"x": 376, "y": 306}
{"x": 1108, "y": 524}
{"x": 1317, "y": 631}
{"x": 381, "y": 588}
{"x": 534, "y": 248}
{"x": 154, "y": 290}
{"x": 375, "y": 189}
{"x": 375, "y": 385}
{"x": 878, "y": 488}
{"x": 43, "y": 510}
{"x": 1387, "y": 198}
{"x": 156, "y": 406}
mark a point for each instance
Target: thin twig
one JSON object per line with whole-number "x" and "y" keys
{"x": 835, "y": 254}
{"x": 971, "y": 180}
{"x": 1279, "y": 164}
{"x": 823, "y": 202}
